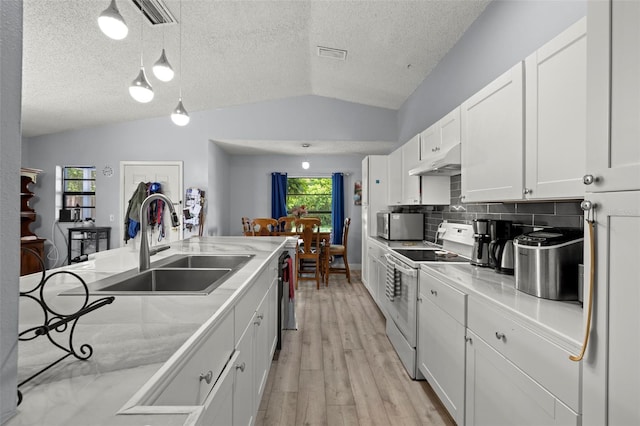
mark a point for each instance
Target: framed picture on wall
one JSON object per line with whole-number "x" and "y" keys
{"x": 357, "y": 193}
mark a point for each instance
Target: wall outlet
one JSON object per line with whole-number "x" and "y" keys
{"x": 112, "y": 217}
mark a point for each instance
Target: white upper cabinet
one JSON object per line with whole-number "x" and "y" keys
{"x": 394, "y": 181}
{"x": 410, "y": 159}
{"x": 449, "y": 127}
{"x": 493, "y": 140}
{"x": 613, "y": 137}
{"x": 556, "y": 116}
{"x": 441, "y": 136}
{"x": 430, "y": 141}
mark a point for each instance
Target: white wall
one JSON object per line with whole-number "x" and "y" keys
{"x": 217, "y": 222}
{"x": 206, "y": 166}
{"x": 10, "y": 109}
{"x": 505, "y": 33}
{"x": 251, "y": 187}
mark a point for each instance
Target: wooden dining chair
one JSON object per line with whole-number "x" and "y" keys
{"x": 340, "y": 250}
{"x": 287, "y": 224}
{"x": 308, "y": 259}
{"x": 264, "y": 226}
{"x": 246, "y": 227}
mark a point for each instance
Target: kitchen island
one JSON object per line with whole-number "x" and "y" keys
{"x": 139, "y": 341}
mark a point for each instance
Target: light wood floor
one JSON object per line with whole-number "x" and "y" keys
{"x": 339, "y": 368}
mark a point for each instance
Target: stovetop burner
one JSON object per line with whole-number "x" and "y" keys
{"x": 430, "y": 256}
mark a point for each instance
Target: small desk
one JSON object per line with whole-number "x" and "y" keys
{"x": 87, "y": 240}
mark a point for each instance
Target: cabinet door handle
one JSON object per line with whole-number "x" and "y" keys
{"x": 501, "y": 336}
{"x": 435, "y": 293}
{"x": 589, "y": 179}
{"x": 468, "y": 339}
{"x": 240, "y": 367}
{"x": 260, "y": 316}
{"x": 207, "y": 377}
{"x": 257, "y": 323}
{"x": 527, "y": 191}
{"x": 420, "y": 299}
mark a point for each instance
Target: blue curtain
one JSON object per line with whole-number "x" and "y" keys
{"x": 337, "y": 207}
{"x": 278, "y": 195}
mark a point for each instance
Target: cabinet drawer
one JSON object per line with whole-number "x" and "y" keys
{"x": 204, "y": 363}
{"x": 249, "y": 302}
{"x": 544, "y": 361}
{"x": 449, "y": 299}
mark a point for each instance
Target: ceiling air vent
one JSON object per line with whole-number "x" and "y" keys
{"x": 156, "y": 12}
{"x": 329, "y": 52}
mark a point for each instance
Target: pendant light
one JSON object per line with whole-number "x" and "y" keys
{"x": 162, "y": 68}
{"x": 305, "y": 163}
{"x": 140, "y": 88}
{"x": 111, "y": 22}
{"x": 180, "y": 116}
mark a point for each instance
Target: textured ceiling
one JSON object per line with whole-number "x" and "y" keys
{"x": 234, "y": 52}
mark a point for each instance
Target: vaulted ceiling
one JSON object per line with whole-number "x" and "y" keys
{"x": 233, "y": 53}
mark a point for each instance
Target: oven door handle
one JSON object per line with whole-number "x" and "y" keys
{"x": 401, "y": 267}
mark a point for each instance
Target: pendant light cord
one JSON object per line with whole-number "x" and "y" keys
{"x": 142, "y": 35}
{"x": 180, "y": 47}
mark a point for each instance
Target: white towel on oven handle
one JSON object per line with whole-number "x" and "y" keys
{"x": 393, "y": 283}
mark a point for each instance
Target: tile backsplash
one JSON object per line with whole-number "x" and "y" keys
{"x": 549, "y": 213}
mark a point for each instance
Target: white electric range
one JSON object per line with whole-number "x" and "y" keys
{"x": 401, "y": 289}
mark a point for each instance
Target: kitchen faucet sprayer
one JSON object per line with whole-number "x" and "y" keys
{"x": 145, "y": 261}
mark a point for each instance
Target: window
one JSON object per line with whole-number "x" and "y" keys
{"x": 315, "y": 194}
{"x": 79, "y": 191}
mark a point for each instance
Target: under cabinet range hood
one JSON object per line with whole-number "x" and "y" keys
{"x": 443, "y": 164}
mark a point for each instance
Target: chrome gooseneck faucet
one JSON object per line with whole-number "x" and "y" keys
{"x": 145, "y": 261}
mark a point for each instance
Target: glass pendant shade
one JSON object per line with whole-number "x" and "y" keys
{"x": 162, "y": 69}
{"x": 111, "y": 22}
{"x": 141, "y": 89}
{"x": 305, "y": 165}
{"x": 180, "y": 116}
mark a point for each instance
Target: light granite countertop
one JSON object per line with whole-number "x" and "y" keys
{"x": 131, "y": 338}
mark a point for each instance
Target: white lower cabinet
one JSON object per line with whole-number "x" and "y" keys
{"x": 264, "y": 324}
{"x": 499, "y": 393}
{"x": 441, "y": 342}
{"x": 516, "y": 375}
{"x": 255, "y": 347}
{"x": 218, "y": 407}
{"x": 488, "y": 365}
{"x": 377, "y": 266}
{"x": 244, "y": 404}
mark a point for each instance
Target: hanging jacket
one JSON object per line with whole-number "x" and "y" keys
{"x": 132, "y": 217}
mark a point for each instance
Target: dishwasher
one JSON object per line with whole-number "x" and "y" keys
{"x": 286, "y": 304}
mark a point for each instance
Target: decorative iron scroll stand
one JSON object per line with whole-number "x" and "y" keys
{"x": 55, "y": 322}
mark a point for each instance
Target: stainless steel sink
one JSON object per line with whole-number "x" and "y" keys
{"x": 175, "y": 275}
{"x": 169, "y": 281}
{"x": 203, "y": 261}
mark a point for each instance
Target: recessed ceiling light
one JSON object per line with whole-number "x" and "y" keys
{"x": 329, "y": 52}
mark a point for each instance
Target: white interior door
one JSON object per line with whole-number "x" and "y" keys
{"x": 169, "y": 175}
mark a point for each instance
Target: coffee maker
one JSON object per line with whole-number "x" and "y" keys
{"x": 501, "y": 250}
{"x": 481, "y": 240}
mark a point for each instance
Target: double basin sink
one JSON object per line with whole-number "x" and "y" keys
{"x": 177, "y": 274}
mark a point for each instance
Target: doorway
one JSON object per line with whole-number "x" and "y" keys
{"x": 169, "y": 175}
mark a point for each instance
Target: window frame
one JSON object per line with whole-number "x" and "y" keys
{"x": 87, "y": 172}
{"x": 313, "y": 213}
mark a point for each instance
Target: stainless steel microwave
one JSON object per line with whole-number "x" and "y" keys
{"x": 400, "y": 226}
